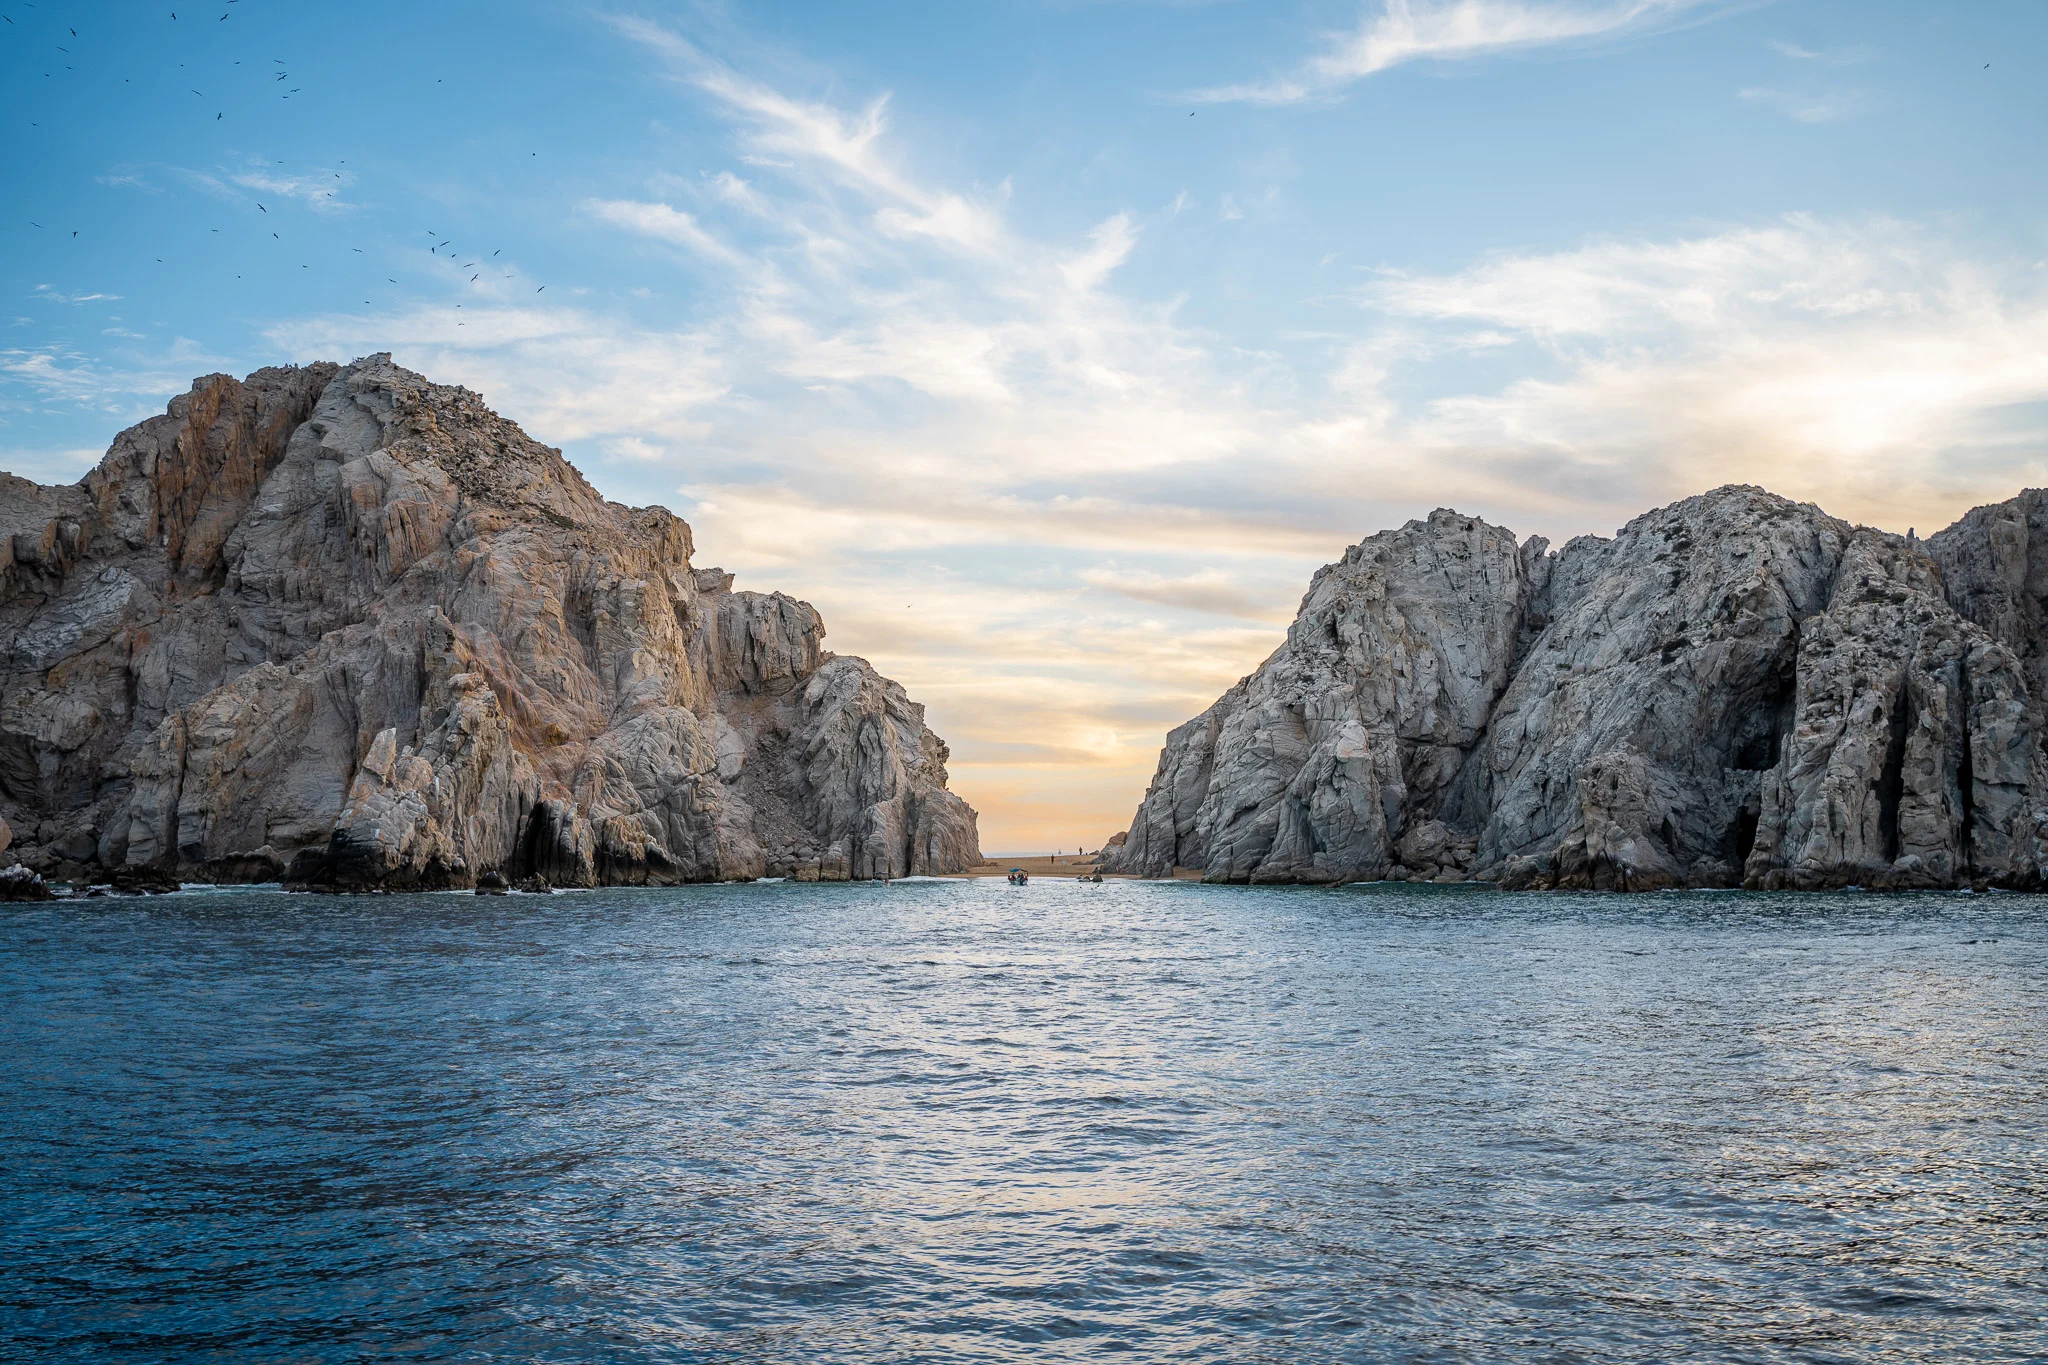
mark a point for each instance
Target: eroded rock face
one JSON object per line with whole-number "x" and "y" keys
{"x": 342, "y": 625}
{"x": 1734, "y": 690}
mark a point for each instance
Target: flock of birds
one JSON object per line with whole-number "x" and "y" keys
{"x": 277, "y": 78}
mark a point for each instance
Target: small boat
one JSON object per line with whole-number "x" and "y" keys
{"x": 1018, "y": 876}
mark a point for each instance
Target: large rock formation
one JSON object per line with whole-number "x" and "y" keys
{"x": 1734, "y": 690}
{"x": 342, "y": 624}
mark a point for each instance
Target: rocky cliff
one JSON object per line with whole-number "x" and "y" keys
{"x": 1735, "y": 690}
{"x": 342, "y": 625}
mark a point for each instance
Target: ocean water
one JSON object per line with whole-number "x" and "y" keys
{"x": 944, "y": 1121}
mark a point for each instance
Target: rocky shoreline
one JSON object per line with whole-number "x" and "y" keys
{"x": 344, "y": 628}
{"x": 1735, "y": 690}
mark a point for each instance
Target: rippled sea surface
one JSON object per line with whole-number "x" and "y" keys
{"x": 968, "y": 1122}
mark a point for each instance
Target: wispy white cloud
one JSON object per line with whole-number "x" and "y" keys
{"x": 788, "y": 131}
{"x": 1402, "y": 31}
{"x": 132, "y": 383}
{"x": 1835, "y": 56}
{"x": 1805, "y": 107}
{"x": 322, "y": 190}
{"x": 49, "y": 294}
{"x": 665, "y": 223}
{"x": 319, "y": 190}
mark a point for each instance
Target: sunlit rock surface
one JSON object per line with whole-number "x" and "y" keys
{"x": 1735, "y": 690}
{"x": 340, "y": 625}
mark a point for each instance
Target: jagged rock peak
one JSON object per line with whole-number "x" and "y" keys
{"x": 342, "y": 621}
{"x": 1735, "y": 689}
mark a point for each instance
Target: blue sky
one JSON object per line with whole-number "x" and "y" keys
{"x": 1049, "y": 348}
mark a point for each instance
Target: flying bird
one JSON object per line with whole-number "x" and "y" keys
{"x": 537, "y": 291}
{"x": 259, "y": 206}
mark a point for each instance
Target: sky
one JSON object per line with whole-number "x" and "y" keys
{"x": 1049, "y": 346}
